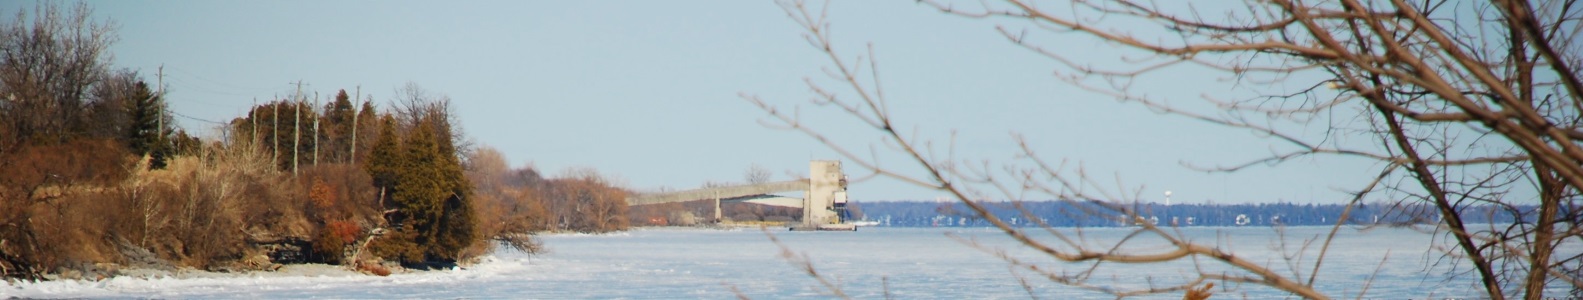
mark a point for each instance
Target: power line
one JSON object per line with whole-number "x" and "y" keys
{"x": 222, "y": 84}
{"x": 192, "y": 85}
{"x": 194, "y": 118}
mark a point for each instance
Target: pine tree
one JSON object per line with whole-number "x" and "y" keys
{"x": 458, "y": 228}
{"x": 382, "y": 163}
{"x": 143, "y": 133}
{"x": 386, "y": 165}
{"x": 426, "y": 185}
{"x": 422, "y": 188}
{"x": 338, "y": 116}
{"x": 367, "y": 122}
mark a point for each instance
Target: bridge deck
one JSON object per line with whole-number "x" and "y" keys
{"x": 799, "y": 185}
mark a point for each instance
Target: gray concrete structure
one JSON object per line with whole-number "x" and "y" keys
{"x": 823, "y": 192}
{"x": 826, "y": 188}
{"x": 724, "y": 192}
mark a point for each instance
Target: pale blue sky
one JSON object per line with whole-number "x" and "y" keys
{"x": 647, "y": 90}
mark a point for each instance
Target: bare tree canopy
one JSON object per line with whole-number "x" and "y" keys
{"x": 49, "y": 61}
{"x": 757, "y": 174}
{"x": 1463, "y": 105}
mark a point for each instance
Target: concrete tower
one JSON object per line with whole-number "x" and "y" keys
{"x": 826, "y": 188}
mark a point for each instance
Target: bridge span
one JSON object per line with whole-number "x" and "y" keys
{"x": 824, "y": 196}
{"x": 724, "y": 192}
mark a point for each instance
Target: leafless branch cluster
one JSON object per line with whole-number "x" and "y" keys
{"x": 1465, "y": 106}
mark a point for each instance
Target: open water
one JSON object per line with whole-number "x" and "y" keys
{"x": 906, "y": 263}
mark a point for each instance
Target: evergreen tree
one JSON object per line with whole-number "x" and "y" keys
{"x": 434, "y": 217}
{"x": 337, "y": 129}
{"x": 382, "y": 163}
{"x": 422, "y": 189}
{"x": 367, "y": 122}
{"x": 144, "y": 135}
{"x": 385, "y": 165}
{"x": 458, "y": 227}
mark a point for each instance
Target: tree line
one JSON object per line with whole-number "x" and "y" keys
{"x": 99, "y": 176}
{"x": 1076, "y": 214}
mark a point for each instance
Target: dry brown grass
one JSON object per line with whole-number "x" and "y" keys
{"x": 50, "y": 208}
{"x": 1199, "y": 293}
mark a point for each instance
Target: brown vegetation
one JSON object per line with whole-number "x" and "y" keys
{"x": 95, "y": 172}
{"x": 44, "y": 190}
{"x": 522, "y": 201}
{"x": 1200, "y": 293}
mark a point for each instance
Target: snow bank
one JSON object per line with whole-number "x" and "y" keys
{"x": 292, "y": 281}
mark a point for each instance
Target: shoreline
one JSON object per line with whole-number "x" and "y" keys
{"x": 139, "y": 282}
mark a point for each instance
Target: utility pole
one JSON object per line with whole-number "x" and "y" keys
{"x": 296, "y": 127}
{"x": 161, "y": 116}
{"x": 356, "y": 110}
{"x": 316, "y": 129}
{"x": 274, "y": 135}
{"x": 252, "y": 116}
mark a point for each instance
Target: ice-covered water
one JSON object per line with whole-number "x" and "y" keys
{"x": 909, "y": 263}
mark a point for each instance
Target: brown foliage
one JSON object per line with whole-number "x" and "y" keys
{"x": 341, "y": 203}
{"x": 515, "y": 203}
{"x": 191, "y": 213}
{"x": 1199, "y": 293}
{"x": 340, "y": 191}
{"x": 330, "y": 244}
{"x": 51, "y": 60}
{"x": 79, "y": 162}
{"x": 584, "y": 201}
{"x": 508, "y": 208}
{"x": 321, "y": 195}
{"x": 205, "y": 206}
{"x": 653, "y": 214}
{"x": 46, "y": 205}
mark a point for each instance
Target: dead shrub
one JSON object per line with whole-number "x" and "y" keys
{"x": 45, "y": 192}
{"x": 210, "y": 207}
{"x": 1199, "y": 293}
{"x": 207, "y": 211}
{"x": 330, "y": 245}
{"x": 342, "y": 203}
{"x": 337, "y": 190}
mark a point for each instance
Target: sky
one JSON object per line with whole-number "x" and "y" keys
{"x": 649, "y": 92}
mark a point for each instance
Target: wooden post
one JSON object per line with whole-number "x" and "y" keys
{"x": 253, "y": 116}
{"x": 296, "y": 128}
{"x": 316, "y": 129}
{"x": 356, "y": 110}
{"x": 274, "y": 136}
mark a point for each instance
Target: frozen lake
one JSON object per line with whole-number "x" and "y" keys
{"x": 912, "y": 262}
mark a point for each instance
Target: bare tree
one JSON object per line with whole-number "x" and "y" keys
{"x": 1469, "y": 105}
{"x": 49, "y": 62}
{"x": 756, "y": 174}
{"x": 413, "y": 104}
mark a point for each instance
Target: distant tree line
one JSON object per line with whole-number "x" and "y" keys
{"x": 578, "y": 200}
{"x": 1077, "y": 214}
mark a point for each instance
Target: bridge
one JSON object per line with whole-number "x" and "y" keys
{"x": 824, "y": 196}
{"x": 724, "y": 192}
